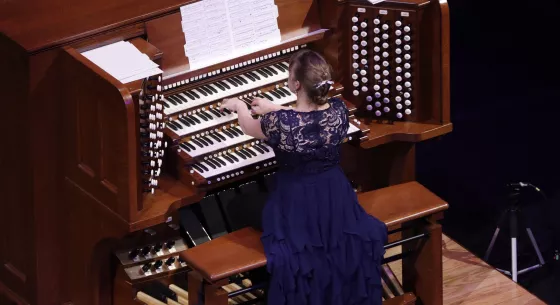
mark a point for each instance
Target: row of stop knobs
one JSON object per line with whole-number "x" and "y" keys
{"x": 153, "y": 249}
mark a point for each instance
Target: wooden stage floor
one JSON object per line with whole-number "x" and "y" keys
{"x": 467, "y": 279}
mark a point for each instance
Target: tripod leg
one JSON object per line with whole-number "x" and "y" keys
{"x": 513, "y": 235}
{"x": 535, "y": 246}
{"x": 496, "y": 232}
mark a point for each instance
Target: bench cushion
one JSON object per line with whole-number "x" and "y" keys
{"x": 242, "y": 250}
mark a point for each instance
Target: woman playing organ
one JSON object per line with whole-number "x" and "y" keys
{"x": 321, "y": 246}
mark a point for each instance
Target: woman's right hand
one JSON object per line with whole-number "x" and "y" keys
{"x": 261, "y": 106}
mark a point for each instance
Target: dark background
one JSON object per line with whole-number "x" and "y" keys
{"x": 505, "y": 106}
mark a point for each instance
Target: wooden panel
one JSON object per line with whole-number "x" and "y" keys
{"x": 17, "y": 248}
{"x": 89, "y": 237}
{"x": 40, "y": 24}
{"x": 99, "y": 134}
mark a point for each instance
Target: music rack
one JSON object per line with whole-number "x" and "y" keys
{"x": 85, "y": 184}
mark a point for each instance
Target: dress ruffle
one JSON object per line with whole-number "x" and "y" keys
{"x": 322, "y": 248}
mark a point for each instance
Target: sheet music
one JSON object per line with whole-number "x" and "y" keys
{"x": 123, "y": 61}
{"x": 218, "y": 30}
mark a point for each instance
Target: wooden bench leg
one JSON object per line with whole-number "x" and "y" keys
{"x": 423, "y": 270}
{"x": 214, "y": 294}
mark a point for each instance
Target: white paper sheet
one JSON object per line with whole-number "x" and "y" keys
{"x": 219, "y": 30}
{"x": 123, "y": 61}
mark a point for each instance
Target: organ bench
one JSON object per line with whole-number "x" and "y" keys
{"x": 408, "y": 209}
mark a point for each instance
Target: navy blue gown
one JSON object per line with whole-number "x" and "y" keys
{"x": 322, "y": 248}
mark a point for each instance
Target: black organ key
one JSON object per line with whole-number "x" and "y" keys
{"x": 228, "y": 133}
{"x": 254, "y": 75}
{"x": 200, "y": 115}
{"x": 198, "y": 167}
{"x": 195, "y": 232}
{"x": 201, "y": 139}
{"x": 201, "y": 91}
{"x": 280, "y": 92}
{"x": 173, "y": 123}
{"x": 185, "y": 121}
{"x": 234, "y": 83}
{"x": 242, "y": 79}
{"x": 172, "y": 101}
{"x": 249, "y": 76}
{"x": 181, "y": 98}
{"x": 285, "y": 91}
{"x": 273, "y": 70}
{"x": 215, "y": 137}
{"x": 263, "y": 147}
{"x": 224, "y": 85}
{"x": 189, "y": 95}
{"x": 207, "y": 139}
{"x": 227, "y": 111}
{"x": 195, "y": 94}
{"x": 193, "y": 118}
{"x": 267, "y": 71}
{"x": 234, "y": 158}
{"x": 221, "y": 137}
{"x": 207, "y": 90}
{"x": 212, "y": 88}
{"x": 275, "y": 94}
{"x": 219, "y": 160}
{"x": 228, "y": 158}
{"x": 220, "y": 86}
{"x": 185, "y": 146}
{"x": 256, "y": 147}
{"x": 262, "y": 73}
{"x": 197, "y": 143}
{"x": 268, "y": 96}
{"x": 238, "y": 152}
{"x": 285, "y": 65}
{"x": 215, "y": 112}
{"x": 173, "y": 127}
{"x": 213, "y": 216}
{"x": 280, "y": 67}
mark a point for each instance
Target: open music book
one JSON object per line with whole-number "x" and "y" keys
{"x": 123, "y": 61}
{"x": 218, "y": 30}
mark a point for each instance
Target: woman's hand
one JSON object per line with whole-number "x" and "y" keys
{"x": 232, "y": 104}
{"x": 262, "y": 106}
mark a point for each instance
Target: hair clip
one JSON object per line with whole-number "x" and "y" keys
{"x": 330, "y": 82}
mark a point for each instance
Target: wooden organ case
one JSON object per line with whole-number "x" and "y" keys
{"x": 97, "y": 210}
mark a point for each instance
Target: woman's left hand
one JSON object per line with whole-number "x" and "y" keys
{"x": 231, "y": 104}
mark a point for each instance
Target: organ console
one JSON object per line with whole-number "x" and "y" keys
{"x": 111, "y": 181}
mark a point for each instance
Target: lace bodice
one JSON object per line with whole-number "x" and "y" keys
{"x": 307, "y": 142}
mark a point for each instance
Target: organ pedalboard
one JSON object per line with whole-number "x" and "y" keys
{"x": 384, "y": 70}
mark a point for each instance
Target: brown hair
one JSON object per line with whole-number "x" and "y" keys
{"x": 313, "y": 72}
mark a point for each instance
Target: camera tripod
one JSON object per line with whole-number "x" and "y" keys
{"x": 513, "y": 214}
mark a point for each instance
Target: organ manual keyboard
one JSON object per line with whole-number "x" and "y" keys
{"x": 115, "y": 176}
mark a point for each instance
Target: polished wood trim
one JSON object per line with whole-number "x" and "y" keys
{"x": 403, "y": 132}
{"x": 445, "y": 63}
